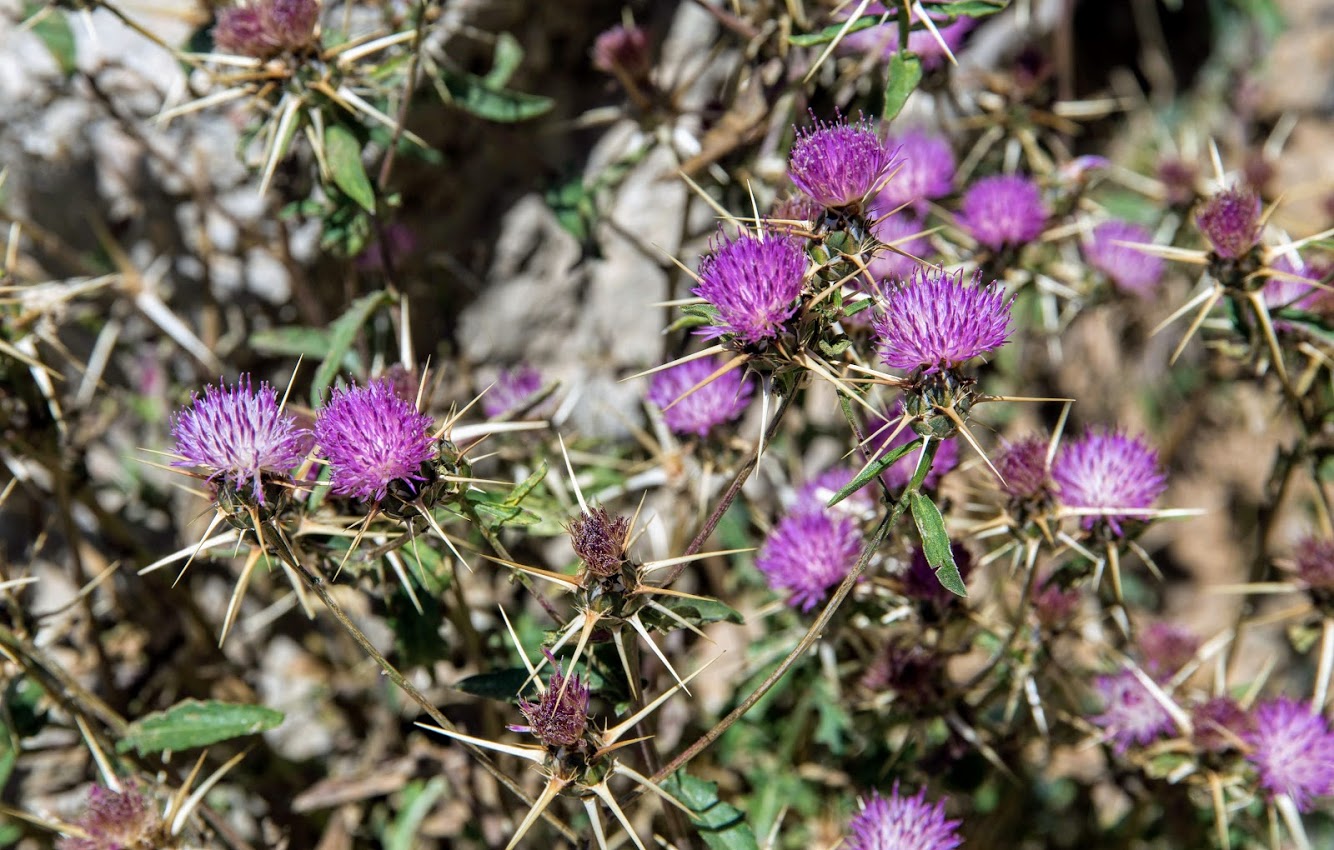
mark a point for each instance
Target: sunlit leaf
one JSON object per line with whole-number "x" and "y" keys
{"x": 192, "y": 723}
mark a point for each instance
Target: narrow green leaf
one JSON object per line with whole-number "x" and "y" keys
{"x": 523, "y": 488}
{"x": 953, "y": 9}
{"x": 905, "y": 72}
{"x": 508, "y": 55}
{"x": 54, "y": 30}
{"x": 473, "y": 94}
{"x": 193, "y": 723}
{"x": 696, "y": 612}
{"x": 419, "y": 798}
{"x": 343, "y": 153}
{"x": 829, "y": 33}
{"x": 936, "y": 542}
{"x": 721, "y": 825}
{"x": 292, "y": 342}
{"x": 871, "y": 472}
{"x": 503, "y": 685}
{"x": 342, "y": 333}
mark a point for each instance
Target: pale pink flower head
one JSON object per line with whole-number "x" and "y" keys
{"x": 925, "y": 172}
{"x": 902, "y": 823}
{"x": 1129, "y": 268}
{"x": 721, "y": 400}
{"x": 838, "y": 165}
{"x": 1104, "y": 470}
{"x": 1131, "y": 715}
{"x": 754, "y": 284}
{"x": 809, "y": 552}
{"x": 115, "y": 821}
{"x": 623, "y": 50}
{"x": 1292, "y": 749}
{"x": 935, "y": 321}
{"x": 1230, "y": 221}
{"x": 1005, "y": 210}
{"x": 372, "y": 437}
{"x": 1165, "y": 648}
{"x": 267, "y": 28}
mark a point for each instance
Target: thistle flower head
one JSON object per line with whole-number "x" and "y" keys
{"x": 1291, "y": 288}
{"x": 721, "y": 400}
{"x": 1104, "y": 470}
{"x": 114, "y": 821}
{"x": 513, "y": 387}
{"x": 1131, "y": 716}
{"x": 623, "y": 50}
{"x": 1218, "y": 724}
{"x": 883, "y": 39}
{"x": 1315, "y": 563}
{"x": 935, "y": 321}
{"x": 1023, "y": 468}
{"x": 1230, "y": 221}
{"x": 902, "y": 231}
{"x": 1128, "y": 268}
{"x": 1165, "y": 648}
{"x": 837, "y": 165}
{"x": 560, "y": 717}
{"x": 372, "y": 437}
{"x": 753, "y": 283}
{"x": 267, "y": 28}
{"x": 599, "y": 539}
{"x": 1292, "y": 749}
{"x": 926, "y": 172}
{"x": 808, "y": 553}
{"x": 238, "y": 434}
{"x": 1003, "y": 210}
{"x": 1178, "y": 178}
{"x": 902, "y": 823}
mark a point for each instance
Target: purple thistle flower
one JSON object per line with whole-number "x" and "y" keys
{"x": 1054, "y": 606}
{"x": 1230, "y": 221}
{"x": 839, "y": 164}
{"x": 1166, "y": 648}
{"x": 513, "y": 387}
{"x": 900, "y": 472}
{"x": 721, "y": 400}
{"x": 1003, "y": 210}
{"x": 599, "y": 539}
{"x": 808, "y": 553}
{"x": 240, "y": 32}
{"x": 903, "y": 231}
{"x": 815, "y": 494}
{"x": 560, "y": 717}
{"x": 1105, "y": 470}
{"x": 291, "y": 23}
{"x": 266, "y": 28}
{"x": 1128, "y": 268}
{"x": 883, "y": 39}
{"x": 1290, "y": 288}
{"x": 913, "y": 674}
{"x": 372, "y": 437}
{"x": 1315, "y": 563}
{"x": 1178, "y": 178}
{"x": 623, "y": 50}
{"x": 114, "y": 821}
{"x": 1131, "y": 716}
{"x": 1292, "y": 749}
{"x": 1219, "y": 724}
{"x": 937, "y": 322}
{"x": 1023, "y": 466}
{"x": 902, "y": 823}
{"x": 926, "y": 172}
{"x": 754, "y": 285}
{"x": 238, "y": 434}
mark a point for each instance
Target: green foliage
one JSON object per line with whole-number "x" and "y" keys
{"x": 936, "y": 542}
{"x": 419, "y": 797}
{"x": 52, "y": 26}
{"x": 342, "y": 333}
{"x": 872, "y": 471}
{"x": 478, "y": 96}
{"x": 342, "y": 150}
{"x": 506, "y": 685}
{"x": 721, "y": 825}
{"x": 905, "y": 72}
{"x": 192, "y": 723}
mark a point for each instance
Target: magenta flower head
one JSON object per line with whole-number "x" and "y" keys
{"x": 1003, "y": 210}
{"x": 1023, "y": 468}
{"x": 1315, "y": 565}
{"x": 1230, "y": 221}
{"x": 753, "y": 283}
{"x": 900, "y": 472}
{"x": 1131, "y": 716}
{"x": 1127, "y": 267}
{"x": 936, "y": 322}
{"x": 721, "y": 400}
{"x": 926, "y": 172}
{"x": 239, "y": 434}
{"x": 371, "y": 438}
{"x": 600, "y": 539}
{"x": 902, "y": 823}
{"x": 115, "y": 821}
{"x": 513, "y": 387}
{"x": 1166, "y": 648}
{"x": 838, "y": 165}
{"x": 903, "y": 231}
{"x": 560, "y": 717}
{"x": 808, "y": 553}
{"x": 1292, "y": 749}
{"x": 1105, "y": 470}
{"x": 266, "y": 28}
{"x": 1219, "y": 724}
{"x": 623, "y": 50}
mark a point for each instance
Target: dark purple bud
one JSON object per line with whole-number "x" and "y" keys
{"x": 560, "y": 717}
{"x": 600, "y": 539}
{"x": 1230, "y": 221}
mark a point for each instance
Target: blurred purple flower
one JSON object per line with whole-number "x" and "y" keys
{"x": 560, "y": 717}
{"x": 807, "y": 553}
{"x": 1105, "y": 470}
{"x": 1055, "y": 606}
{"x": 839, "y": 164}
{"x": 1023, "y": 466}
{"x": 753, "y": 283}
{"x": 902, "y": 823}
{"x": 371, "y": 437}
{"x": 623, "y": 50}
{"x": 883, "y": 39}
{"x": 1131, "y": 716}
{"x": 1003, "y": 210}
{"x": 1219, "y": 724}
{"x": 920, "y": 582}
{"x": 266, "y": 28}
{"x": 1165, "y": 648}
{"x": 1178, "y": 178}
{"x": 903, "y": 231}
{"x": 398, "y": 242}
{"x": 1315, "y": 563}
{"x": 115, "y": 821}
{"x": 238, "y": 434}
{"x": 1230, "y": 221}
{"x": 926, "y": 172}
{"x": 511, "y": 390}
{"x": 1128, "y": 268}
{"x": 1292, "y": 749}
{"x": 937, "y": 322}
{"x": 721, "y": 400}
{"x": 1290, "y": 288}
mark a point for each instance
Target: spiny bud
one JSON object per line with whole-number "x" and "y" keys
{"x": 115, "y": 820}
{"x": 599, "y": 539}
{"x": 560, "y": 717}
{"x": 1230, "y": 221}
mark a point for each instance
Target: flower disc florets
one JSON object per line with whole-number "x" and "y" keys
{"x": 1131, "y": 715}
{"x": 1230, "y": 221}
{"x": 838, "y": 165}
{"x": 935, "y": 321}
{"x": 753, "y": 283}
{"x": 115, "y": 821}
{"x": 239, "y": 434}
{"x": 1128, "y": 268}
{"x": 809, "y": 552}
{"x": 1292, "y": 749}
{"x": 721, "y": 400}
{"x": 599, "y": 539}
{"x": 560, "y": 717}
{"x": 1106, "y": 470}
{"x": 372, "y": 437}
{"x": 902, "y": 823}
{"x": 1003, "y": 210}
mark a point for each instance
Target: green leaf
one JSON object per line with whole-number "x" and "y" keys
{"x": 342, "y": 333}
{"x": 523, "y": 488}
{"x": 905, "y": 72}
{"x": 829, "y": 33}
{"x": 502, "y": 685}
{"x": 954, "y": 9}
{"x": 936, "y": 542}
{"x": 292, "y": 342}
{"x": 54, "y": 30}
{"x": 498, "y": 510}
{"x": 696, "y": 612}
{"x": 418, "y": 800}
{"x": 871, "y": 472}
{"x": 416, "y": 636}
{"x": 343, "y": 153}
{"x": 721, "y": 825}
{"x": 193, "y": 723}
{"x": 508, "y": 55}
{"x": 475, "y": 95}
